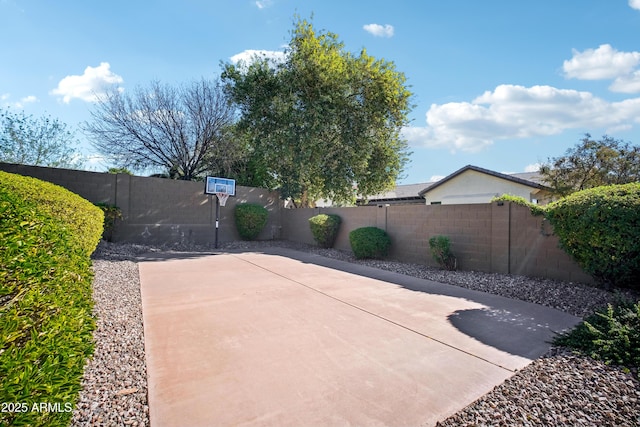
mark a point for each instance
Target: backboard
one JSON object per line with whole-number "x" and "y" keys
{"x": 215, "y": 185}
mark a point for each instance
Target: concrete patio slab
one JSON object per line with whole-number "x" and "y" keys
{"x": 288, "y": 338}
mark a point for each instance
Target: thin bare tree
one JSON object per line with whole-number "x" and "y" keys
{"x": 183, "y": 129}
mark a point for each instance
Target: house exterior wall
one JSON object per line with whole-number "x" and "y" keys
{"x": 475, "y": 187}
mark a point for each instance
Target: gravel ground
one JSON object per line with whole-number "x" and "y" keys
{"x": 114, "y": 387}
{"x": 559, "y": 389}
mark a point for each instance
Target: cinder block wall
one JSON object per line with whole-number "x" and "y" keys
{"x": 468, "y": 228}
{"x": 160, "y": 211}
{"x": 93, "y": 186}
{"x": 534, "y": 251}
{"x": 295, "y": 223}
{"x": 484, "y": 237}
{"x": 157, "y": 211}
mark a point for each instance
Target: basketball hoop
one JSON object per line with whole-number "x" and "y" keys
{"x": 222, "y": 188}
{"x": 222, "y": 198}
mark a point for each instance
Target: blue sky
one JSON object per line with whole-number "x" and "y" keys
{"x": 498, "y": 84}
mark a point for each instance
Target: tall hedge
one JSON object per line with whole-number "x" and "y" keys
{"x": 47, "y": 235}
{"x": 600, "y": 229}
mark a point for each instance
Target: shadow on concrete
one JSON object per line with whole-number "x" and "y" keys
{"x": 516, "y": 327}
{"x": 516, "y": 333}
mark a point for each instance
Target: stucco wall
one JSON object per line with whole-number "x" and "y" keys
{"x": 476, "y": 187}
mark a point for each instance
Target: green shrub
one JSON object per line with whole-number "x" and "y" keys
{"x": 611, "y": 335}
{"x": 600, "y": 229}
{"x": 81, "y": 217}
{"x": 369, "y": 242}
{"x": 325, "y": 229}
{"x": 46, "y": 305}
{"x": 441, "y": 252}
{"x": 250, "y": 220}
{"x": 111, "y": 214}
{"x": 536, "y": 210}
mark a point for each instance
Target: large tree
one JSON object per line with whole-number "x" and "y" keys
{"x": 592, "y": 163}
{"x": 323, "y": 122}
{"x": 38, "y": 141}
{"x": 183, "y": 130}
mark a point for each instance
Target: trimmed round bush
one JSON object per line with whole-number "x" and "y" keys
{"x": 82, "y": 218}
{"x": 600, "y": 229}
{"x": 369, "y": 242}
{"x": 250, "y": 220}
{"x": 324, "y": 228}
{"x": 46, "y": 320}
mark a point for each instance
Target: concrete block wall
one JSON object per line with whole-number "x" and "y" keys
{"x": 500, "y": 241}
{"x": 352, "y": 218}
{"x": 160, "y": 211}
{"x": 469, "y": 230}
{"x": 94, "y": 186}
{"x": 502, "y": 238}
{"x": 535, "y": 251}
{"x": 295, "y": 223}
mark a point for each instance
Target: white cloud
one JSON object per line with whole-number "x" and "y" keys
{"x": 435, "y": 178}
{"x": 634, "y": 4}
{"x": 18, "y": 104}
{"x": 379, "y": 30}
{"x": 248, "y": 56}
{"x": 26, "y": 100}
{"x": 515, "y": 112}
{"x": 29, "y": 99}
{"x": 627, "y": 84}
{"x": 605, "y": 62}
{"x": 534, "y": 167}
{"x": 94, "y": 82}
{"x": 263, "y": 3}
{"x": 95, "y": 161}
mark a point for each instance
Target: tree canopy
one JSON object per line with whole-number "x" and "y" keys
{"x": 37, "y": 141}
{"x": 322, "y": 123}
{"x": 184, "y": 130}
{"x": 591, "y": 164}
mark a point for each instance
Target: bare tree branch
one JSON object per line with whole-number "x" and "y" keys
{"x": 174, "y": 128}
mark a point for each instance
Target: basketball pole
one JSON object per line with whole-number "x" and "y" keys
{"x": 217, "y": 220}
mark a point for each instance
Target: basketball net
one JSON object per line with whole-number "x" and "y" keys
{"x": 222, "y": 198}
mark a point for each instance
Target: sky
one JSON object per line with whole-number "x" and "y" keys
{"x": 504, "y": 85}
